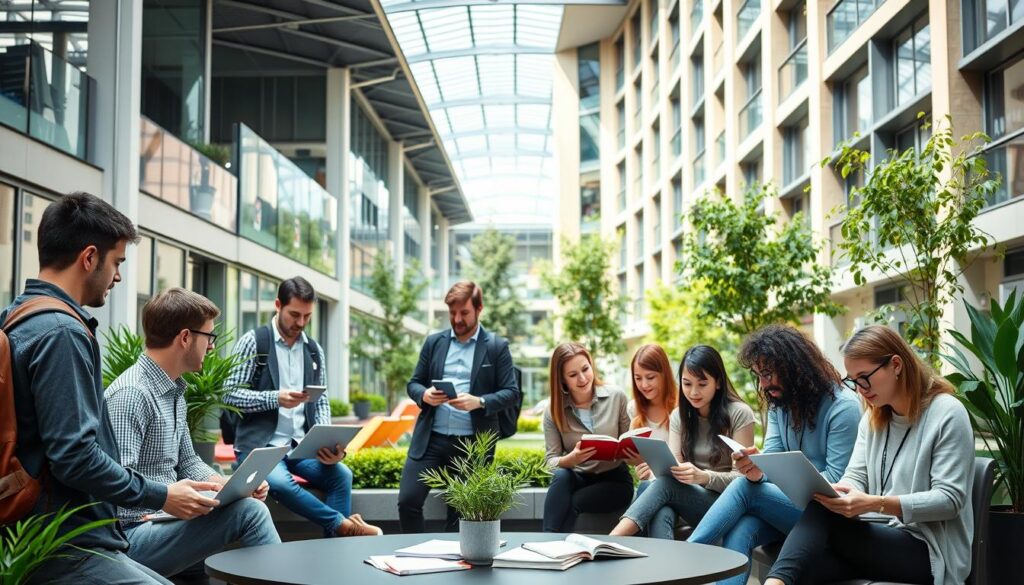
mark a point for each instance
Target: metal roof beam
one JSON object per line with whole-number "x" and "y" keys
{"x": 494, "y": 100}
{"x": 476, "y": 51}
{"x": 336, "y": 42}
{"x": 284, "y": 23}
{"x": 502, "y": 153}
{"x": 270, "y": 52}
{"x": 428, "y": 4}
{"x": 499, "y": 131}
{"x": 294, "y": 17}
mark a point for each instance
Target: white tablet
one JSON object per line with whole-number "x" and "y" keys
{"x": 314, "y": 392}
{"x": 323, "y": 436}
{"x": 795, "y": 476}
{"x": 656, "y": 455}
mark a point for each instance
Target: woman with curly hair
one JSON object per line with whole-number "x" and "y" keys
{"x": 809, "y": 411}
{"x": 912, "y": 461}
{"x": 708, "y": 406}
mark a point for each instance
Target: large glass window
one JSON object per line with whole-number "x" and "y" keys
{"x": 411, "y": 229}
{"x": 913, "y": 66}
{"x": 590, "y": 136}
{"x": 590, "y": 206}
{"x": 697, "y": 80}
{"x": 32, "y": 208}
{"x": 856, "y": 115}
{"x": 845, "y": 17}
{"x": 173, "y": 65}
{"x": 589, "y": 76}
{"x": 369, "y": 195}
{"x": 170, "y": 266}
{"x": 620, "y": 113}
{"x": 795, "y": 152}
{"x": 1004, "y": 109}
{"x": 7, "y": 206}
{"x": 620, "y": 63}
{"x": 637, "y": 39}
{"x": 144, "y": 274}
{"x": 985, "y": 19}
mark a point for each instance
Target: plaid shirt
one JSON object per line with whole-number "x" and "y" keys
{"x": 147, "y": 410}
{"x": 246, "y": 399}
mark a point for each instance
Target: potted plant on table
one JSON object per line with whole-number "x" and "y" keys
{"x": 995, "y": 403}
{"x": 481, "y": 491}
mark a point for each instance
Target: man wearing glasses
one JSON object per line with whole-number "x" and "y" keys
{"x": 268, "y": 391}
{"x": 808, "y": 411}
{"x": 147, "y": 409}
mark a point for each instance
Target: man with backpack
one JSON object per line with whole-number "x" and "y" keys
{"x": 488, "y": 398}
{"x": 65, "y": 454}
{"x": 269, "y": 392}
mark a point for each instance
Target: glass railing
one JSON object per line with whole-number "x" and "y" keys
{"x": 750, "y": 115}
{"x": 845, "y": 17}
{"x": 747, "y": 18}
{"x": 1004, "y": 161}
{"x": 696, "y": 15}
{"x": 282, "y": 208}
{"x": 793, "y": 71}
{"x": 720, "y": 148}
{"x": 44, "y": 96}
{"x": 698, "y": 169}
{"x": 173, "y": 171}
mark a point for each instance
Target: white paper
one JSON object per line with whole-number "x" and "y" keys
{"x": 735, "y": 446}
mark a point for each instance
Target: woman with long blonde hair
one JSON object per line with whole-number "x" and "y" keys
{"x": 912, "y": 463}
{"x": 581, "y": 405}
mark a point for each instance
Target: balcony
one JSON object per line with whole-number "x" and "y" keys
{"x": 793, "y": 71}
{"x": 173, "y": 171}
{"x": 747, "y": 18}
{"x": 45, "y": 97}
{"x": 751, "y": 115}
{"x": 845, "y": 17}
{"x": 282, "y": 208}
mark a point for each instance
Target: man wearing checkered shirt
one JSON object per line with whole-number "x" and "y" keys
{"x": 147, "y": 409}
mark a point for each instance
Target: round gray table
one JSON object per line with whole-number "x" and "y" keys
{"x": 331, "y": 561}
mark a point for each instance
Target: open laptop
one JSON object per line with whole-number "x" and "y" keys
{"x": 243, "y": 482}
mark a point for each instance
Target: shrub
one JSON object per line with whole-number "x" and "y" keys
{"x": 381, "y": 467}
{"x": 339, "y": 407}
{"x": 527, "y": 424}
{"x": 377, "y": 402}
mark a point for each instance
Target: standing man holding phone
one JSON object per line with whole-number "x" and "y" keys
{"x": 277, "y": 411}
{"x": 479, "y": 364}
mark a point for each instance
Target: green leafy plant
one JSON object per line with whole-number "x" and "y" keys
{"x": 913, "y": 221}
{"x": 122, "y": 348}
{"x": 492, "y": 255}
{"x": 339, "y": 407}
{"x": 206, "y": 389}
{"x": 30, "y": 542}
{"x": 218, "y": 153}
{"x": 589, "y": 309}
{"x": 994, "y": 398}
{"x": 750, "y": 270}
{"x": 476, "y": 486}
{"x": 381, "y": 467}
{"x": 377, "y": 402}
{"x": 528, "y": 425}
{"x": 383, "y": 340}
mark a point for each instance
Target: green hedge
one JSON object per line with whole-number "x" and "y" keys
{"x": 381, "y": 467}
{"x": 528, "y": 425}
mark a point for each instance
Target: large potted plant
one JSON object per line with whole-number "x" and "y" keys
{"x": 481, "y": 491}
{"x": 27, "y": 544}
{"x": 205, "y": 392}
{"x": 993, "y": 393}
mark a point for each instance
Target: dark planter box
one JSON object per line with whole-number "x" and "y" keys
{"x": 1006, "y": 533}
{"x": 361, "y": 409}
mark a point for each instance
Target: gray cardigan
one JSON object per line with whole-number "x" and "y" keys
{"x": 931, "y": 476}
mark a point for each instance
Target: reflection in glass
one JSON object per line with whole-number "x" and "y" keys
{"x": 1003, "y": 101}
{"x": 589, "y": 76}
{"x": 370, "y": 198}
{"x": 590, "y": 207}
{"x": 170, "y": 266}
{"x": 590, "y": 136}
{"x": 6, "y": 244}
{"x": 173, "y": 65}
{"x": 249, "y": 301}
{"x": 32, "y": 207}
{"x": 1007, "y": 161}
{"x": 144, "y": 263}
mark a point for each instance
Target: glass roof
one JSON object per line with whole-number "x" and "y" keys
{"x": 485, "y": 75}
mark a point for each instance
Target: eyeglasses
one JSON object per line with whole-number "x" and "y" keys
{"x": 212, "y": 337}
{"x": 864, "y": 382}
{"x": 763, "y": 376}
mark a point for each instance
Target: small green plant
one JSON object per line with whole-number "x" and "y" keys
{"x": 377, "y": 402}
{"x": 29, "y": 543}
{"x": 476, "y": 486}
{"x": 122, "y": 348}
{"x": 528, "y": 425}
{"x": 218, "y": 153}
{"x": 206, "y": 389}
{"x": 995, "y": 398}
{"x": 339, "y": 407}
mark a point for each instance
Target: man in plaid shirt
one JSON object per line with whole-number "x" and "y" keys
{"x": 276, "y": 412}
{"x": 147, "y": 409}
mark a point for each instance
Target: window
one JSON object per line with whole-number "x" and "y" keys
{"x": 802, "y": 204}
{"x": 673, "y": 23}
{"x": 677, "y": 123}
{"x": 751, "y": 173}
{"x": 795, "y": 152}
{"x": 589, "y": 76}
{"x": 638, "y": 103}
{"x": 855, "y": 106}
{"x": 698, "y": 147}
{"x": 914, "y": 136}
{"x": 590, "y": 207}
{"x": 622, "y": 185}
{"x": 677, "y": 202}
{"x": 747, "y": 17}
{"x": 913, "y": 65}
{"x": 144, "y": 274}
{"x": 639, "y": 236}
{"x": 170, "y": 266}
{"x": 590, "y": 134}
{"x": 32, "y": 207}
{"x": 696, "y": 15}
{"x": 637, "y": 39}
{"x": 845, "y": 17}
{"x": 656, "y": 228}
{"x": 620, "y": 63}
{"x": 623, "y": 252}
{"x": 638, "y": 174}
{"x": 656, "y": 151}
{"x": 986, "y": 19}
{"x": 793, "y": 71}
{"x": 7, "y": 243}
{"x": 697, "y": 66}
{"x": 620, "y": 114}
{"x": 656, "y": 72}
{"x": 1004, "y": 110}
{"x": 652, "y": 14}
{"x": 751, "y": 114}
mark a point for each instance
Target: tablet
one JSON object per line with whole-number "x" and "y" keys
{"x": 446, "y": 386}
{"x": 323, "y": 436}
{"x": 656, "y": 455}
{"x": 794, "y": 475}
{"x": 314, "y": 392}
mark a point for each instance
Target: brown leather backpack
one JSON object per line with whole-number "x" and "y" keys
{"x": 18, "y": 489}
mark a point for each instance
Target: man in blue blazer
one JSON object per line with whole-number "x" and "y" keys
{"x": 480, "y": 366}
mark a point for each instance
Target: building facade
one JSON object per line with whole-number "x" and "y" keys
{"x": 666, "y": 100}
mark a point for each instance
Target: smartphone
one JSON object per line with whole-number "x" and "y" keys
{"x": 314, "y": 392}
{"x": 446, "y": 386}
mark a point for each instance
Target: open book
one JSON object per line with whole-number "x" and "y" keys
{"x": 521, "y": 558}
{"x": 581, "y": 547}
{"x": 610, "y": 448}
{"x": 413, "y": 565}
{"x": 435, "y": 549}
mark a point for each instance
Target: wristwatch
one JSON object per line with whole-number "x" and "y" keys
{"x": 483, "y": 402}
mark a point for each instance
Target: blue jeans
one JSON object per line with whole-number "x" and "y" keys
{"x": 745, "y": 516}
{"x": 95, "y": 566}
{"x": 171, "y": 547}
{"x": 658, "y": 502}
{"x": 334, "y": 480}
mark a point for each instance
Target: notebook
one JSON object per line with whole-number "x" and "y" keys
{"x": 413, "y": 565}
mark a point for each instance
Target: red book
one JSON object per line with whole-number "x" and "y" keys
{"x": 610, "y": 448}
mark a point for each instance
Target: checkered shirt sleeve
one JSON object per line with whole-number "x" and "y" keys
{"x": 241, "y": 395}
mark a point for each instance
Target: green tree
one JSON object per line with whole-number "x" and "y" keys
{"x": 588, "y": 306}
{"x": 384, "y": 341}
{"x": 913, "y": 221}
{"x": 491, "y": 256}
{"x": 756, "y": 272}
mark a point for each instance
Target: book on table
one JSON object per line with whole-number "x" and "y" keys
{"x": 521, "y": 558}
{"x": 414, "y": 565}
{"x": 583, "y": 547}
{"x": 611, "y": 448}
{"x": 435, "y": 549}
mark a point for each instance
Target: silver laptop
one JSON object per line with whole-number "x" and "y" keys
{"x": 243, "y": 482}
{"x": 656, "y": 455}
{"x": 794, "y": 475}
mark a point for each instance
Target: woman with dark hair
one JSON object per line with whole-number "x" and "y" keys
{"x": 581, "y": 405}
{"x": 912, "y": 461}
{"x": 809, "y": 411}
{"x": 708, "y": 406}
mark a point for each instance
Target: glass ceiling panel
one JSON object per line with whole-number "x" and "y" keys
{"x": 465, "y": 58}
